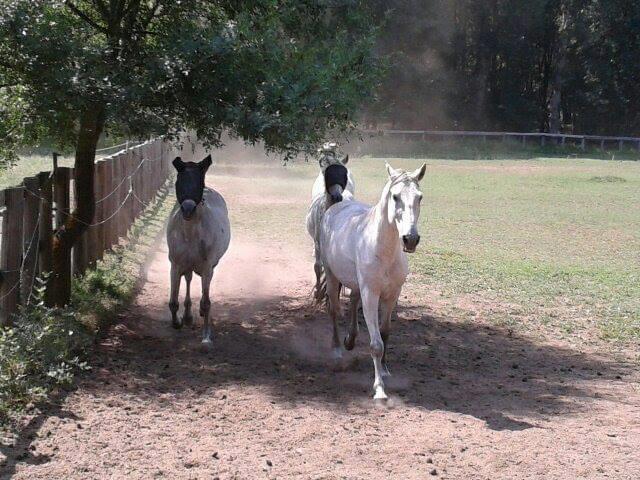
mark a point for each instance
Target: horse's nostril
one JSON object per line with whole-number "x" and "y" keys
{"x": 188, "y": 207}
{"x": 405, "y": 238}
{"x": 417, "y": 239}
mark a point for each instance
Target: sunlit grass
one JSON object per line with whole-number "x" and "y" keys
{"x": 549, "y": 242}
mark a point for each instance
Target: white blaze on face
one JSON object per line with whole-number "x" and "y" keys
{"x": 404, "y": 205}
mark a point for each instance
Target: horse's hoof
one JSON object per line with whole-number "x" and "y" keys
{"x": 349, "y": 342}
{"x": 380, "y": 394}
{"x": 336, "y": 353}
{"x": 177, "y": 324}
{"x": 187, "y": 320}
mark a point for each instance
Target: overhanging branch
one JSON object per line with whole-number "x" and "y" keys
{"x": 86, "y": 17}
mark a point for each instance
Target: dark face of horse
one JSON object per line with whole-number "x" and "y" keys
{"x": 335, "y": 181}
{"x": 190, "y": 184}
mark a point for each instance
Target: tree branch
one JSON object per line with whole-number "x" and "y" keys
{"x": 86, "y": 17}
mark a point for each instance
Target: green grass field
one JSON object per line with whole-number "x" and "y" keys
{"x": 549, "y": 243}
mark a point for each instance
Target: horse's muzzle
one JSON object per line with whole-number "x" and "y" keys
{"x": 410, "y": 242}
{"x": 188, "y": 208}
{"x": 336, "y": 198}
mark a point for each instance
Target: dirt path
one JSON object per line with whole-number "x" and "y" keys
{"x": 468, "y": 400}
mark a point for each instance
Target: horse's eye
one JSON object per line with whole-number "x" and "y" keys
{"x": 396, "y": 198}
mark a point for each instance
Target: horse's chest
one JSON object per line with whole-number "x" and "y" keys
{"x": 192, "y": 251}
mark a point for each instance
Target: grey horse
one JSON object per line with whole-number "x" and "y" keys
{"x": 198, "y": 236}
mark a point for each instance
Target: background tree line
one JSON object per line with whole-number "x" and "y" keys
{"x": 534, "y": 65}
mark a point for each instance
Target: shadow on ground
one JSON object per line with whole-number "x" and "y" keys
{"x": 282, "y": 344}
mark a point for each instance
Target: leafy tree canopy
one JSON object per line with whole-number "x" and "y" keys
{"x": 281, "y": 71}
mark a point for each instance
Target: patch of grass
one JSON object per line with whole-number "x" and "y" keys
{"x": 47, "y": 347}
{"x": 28, "y": 166}
{"x": 607, "y": 179}
{"x": 492, "y": 149}
{"x": 537, "y": 240}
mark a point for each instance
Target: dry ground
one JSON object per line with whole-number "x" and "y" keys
{"x": 468, "y": 399}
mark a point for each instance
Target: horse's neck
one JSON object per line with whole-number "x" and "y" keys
{"x": 191, "y": 227}
{"x": 384, "y": 233}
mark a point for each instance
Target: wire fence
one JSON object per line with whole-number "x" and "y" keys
{"x": 126, "y": 183}
{"x": 541, "y": 138}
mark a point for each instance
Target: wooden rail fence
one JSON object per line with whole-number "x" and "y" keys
{"x": 126, "y": 182}
{"x": 558, "y": 138}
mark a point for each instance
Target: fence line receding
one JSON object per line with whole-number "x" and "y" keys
{"x": 125, "y": 183}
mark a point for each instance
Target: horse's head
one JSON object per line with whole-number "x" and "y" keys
{"x": 190, "y": 184}
{"x": 335, "y": 181}
{"x": 404, "y": 204}
{"x": 328, "y": 156}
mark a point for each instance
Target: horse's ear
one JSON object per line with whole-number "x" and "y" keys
{"x": 345, "y": 160}
{"x": 178, "y": 164}
{"x": 206, "y": 163}
{"x": 419, "y": 173}
{"x": 391, "y": 171}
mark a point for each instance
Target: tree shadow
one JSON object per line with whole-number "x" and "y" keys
{"x": 509, "y": 381}
{"x": 282, "y": 345}
{"x": 20, "y": 450}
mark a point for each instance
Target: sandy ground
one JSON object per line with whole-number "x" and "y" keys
{"x": 468, "y": 400}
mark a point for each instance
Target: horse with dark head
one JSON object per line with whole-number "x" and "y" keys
{"x": 337, "y": 185}
{"x": 198, "y": 236}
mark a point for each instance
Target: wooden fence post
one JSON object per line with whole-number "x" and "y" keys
{"x": 129, "y": 206}
{"x": 118, "y": 175}
{"x": 61, "y": 281}
{"x": 81, "y": 247}
{"x": 46, "y": 226}
{"x": 11, "y": 254}
{"x": 101, "y": 211}
{"x": 30, "y": 238}
{"x": 583, "y": 143}
{"x": 110, "y": 205}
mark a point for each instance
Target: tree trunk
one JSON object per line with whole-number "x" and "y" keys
{"x": 91, "y": 125}
{"x": 557, "y": 78}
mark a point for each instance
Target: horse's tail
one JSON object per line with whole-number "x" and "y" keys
{"x": 319, "y": 291}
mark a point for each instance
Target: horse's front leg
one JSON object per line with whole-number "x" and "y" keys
{"x": 187, "y": 318}
{"x": 205, "y": 305}
{"x": 370, "y": 300}
{"x": 387, "y": 306}
{"x": 173, "y": 297}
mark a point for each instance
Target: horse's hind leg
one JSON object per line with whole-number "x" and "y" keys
{"x": 205, "y": 305}
{"x": 317, "y": 268}
{"x": 333, "y": 296}
{"x": 187, "y": 318}
{"x": 370, "y": 302}
{"x": 173, "y": 297}
{"x": 354, "y": 303}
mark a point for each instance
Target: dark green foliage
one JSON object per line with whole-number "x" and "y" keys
{"x": 41, "y": 351}
{"x": 279, "y": 71}
{"x": 512, "y": 65}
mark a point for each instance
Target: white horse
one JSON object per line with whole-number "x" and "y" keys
{"x": 335, "y": 180}
{"x": 326, "y": 192}
{"x": 363, "y": 248}
{"x": 198, "y": 236}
